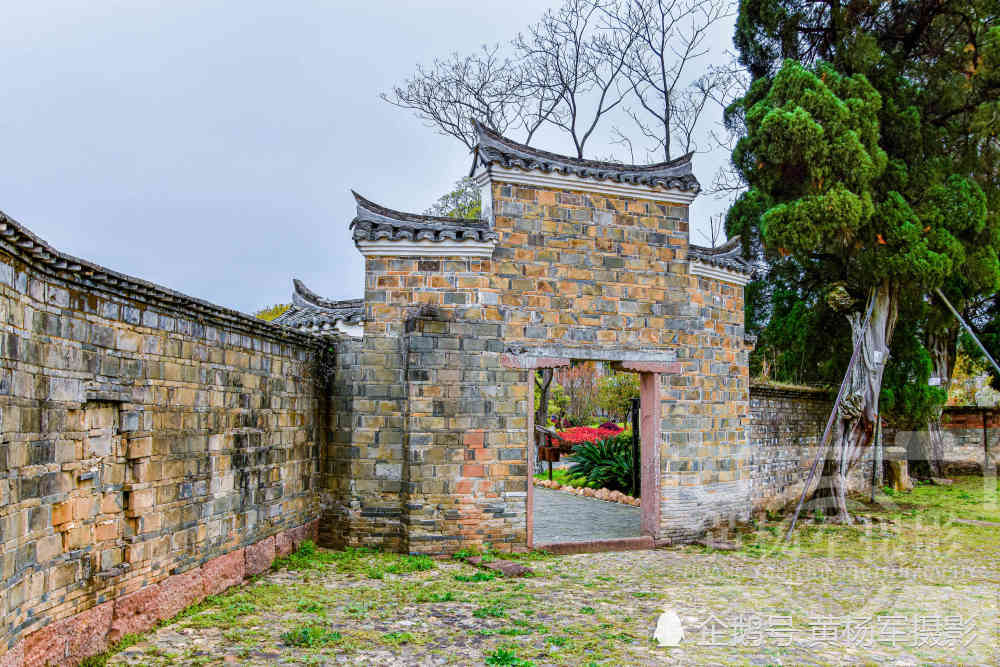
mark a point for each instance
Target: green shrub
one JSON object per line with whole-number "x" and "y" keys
{"x": 607, "y": 463}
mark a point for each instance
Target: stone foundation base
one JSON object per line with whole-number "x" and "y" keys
{"x": 68, "y": 641}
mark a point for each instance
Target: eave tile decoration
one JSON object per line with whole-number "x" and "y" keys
{"x": 313, "y": 314}
{"x": 724, "y": 263}
{"x": 495, "y": 150}
{"x": 383, "y": 231}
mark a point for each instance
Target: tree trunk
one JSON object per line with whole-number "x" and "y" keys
{"x": 859, "y": 408}
{"x": 543, "y": 380}
{"x": 942, "y": 345}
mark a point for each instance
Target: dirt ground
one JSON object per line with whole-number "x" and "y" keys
{"x": 911, "y": 586}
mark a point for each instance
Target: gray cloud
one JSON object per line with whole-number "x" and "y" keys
{"x": 211, "y": 146}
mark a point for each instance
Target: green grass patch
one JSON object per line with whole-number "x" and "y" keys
{"x": 311, "y": 607}
{"x": 361, "y": 561}
{"x": 507, "y": 657}
{"x": 562, "y": 476}
{"x": 101, "y": 659}
{"x": 476, "y": 577}
{"x": 310, "y": 636}
{"x": 447, "y": 596}
{"x": 494, "y": 610}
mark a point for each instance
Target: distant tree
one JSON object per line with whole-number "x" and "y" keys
{"x": 984, "y": 317}
{"x": 270, "y": 312}
{"x": 615, "y": 392}
{"x": 667, "y": 40}
{"x": 579, "y": 381}
{"x": 462, "y": 202}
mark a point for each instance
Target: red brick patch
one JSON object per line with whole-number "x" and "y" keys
{"x": 222, "y": 572}
{"x": 475, "y": 438}
{"x": 47, "y": 646}
{"x": 259, "y": 556}
{"x": 88, "y": 631}
{"x": 14, "y": 657}
{"x": 180, "y": 592}
{"x": 136, "y": 612}
{"x": 282, "y": 544}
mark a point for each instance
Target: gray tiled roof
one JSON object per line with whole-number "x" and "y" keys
{"x": 377, "y": 223}
{"x": 729, "y": 255}
{"x": 314, "y": 314}
{"x": 19, "y": 242}
{"x": 495, "y": 149}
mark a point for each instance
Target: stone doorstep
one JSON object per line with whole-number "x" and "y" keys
{"x": 598, "y": 546}
{"x": 506, "y": 568}
{"x": 69, "y": 640}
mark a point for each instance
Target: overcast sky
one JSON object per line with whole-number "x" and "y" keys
{"x": 211, "y": 146}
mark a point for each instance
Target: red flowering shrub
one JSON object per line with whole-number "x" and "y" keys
{"x": 587, "y": 434}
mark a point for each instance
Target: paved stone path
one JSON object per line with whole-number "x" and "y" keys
{"x": 563, "y": 517}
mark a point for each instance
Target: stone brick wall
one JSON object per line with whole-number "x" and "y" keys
{"x": 466, "y": 468}
{"x": 786, "y": 425}
{"x": 584, "y": 275}
{"x": 144, "y": 434}
{"x": 429, "y": 451}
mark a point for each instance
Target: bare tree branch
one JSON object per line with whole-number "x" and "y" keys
{"x": 716, "y": 230}
{"x": 449, "y": 94}
{"x": 668, "y": 40}
{"x": 578, "y": 62}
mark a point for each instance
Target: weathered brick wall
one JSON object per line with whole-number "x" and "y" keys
{"x": 429, "y": 451}
{"x": 585, "y": 275}
{"x": 144, "y": 433}
{"x": 362, "y": 487}
{"x": 466, "y": 468}
{"x": 786, "y": 425}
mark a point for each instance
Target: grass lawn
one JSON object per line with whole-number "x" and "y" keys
{"x": 562, "y": 476}
{"x": 927, "y": 587}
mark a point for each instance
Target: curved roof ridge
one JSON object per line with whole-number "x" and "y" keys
{"x": 303, "y": 296}
{"x": 729, "y": 246}
{"x": 312, "y": 313}
{"x": 370, "y": 211}
{"x": 378, "y": 223}
{"x": 494, "y": 148}
{"x": 729, "y": 255}
{"x": 488, "y": 137}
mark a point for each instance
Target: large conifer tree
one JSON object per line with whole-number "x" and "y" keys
{"x": 866, "y": 127}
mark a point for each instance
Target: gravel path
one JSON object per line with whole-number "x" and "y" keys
{"x": 564, "y": 517}
{"x": 911, "y": 586}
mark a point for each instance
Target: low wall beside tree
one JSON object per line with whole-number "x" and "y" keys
{"x": 786, "y": 424}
